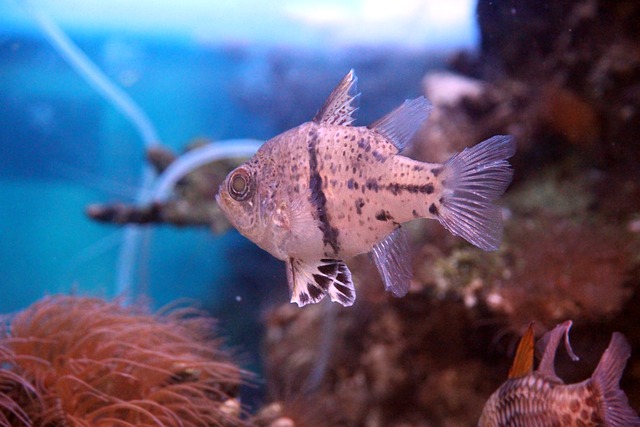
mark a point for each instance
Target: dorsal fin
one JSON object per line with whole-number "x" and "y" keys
{"x": 401, "y": 124}
{"x": 548, "y": 345}
{"x": 523, "y": 360}
{"x": 341, "y": 105}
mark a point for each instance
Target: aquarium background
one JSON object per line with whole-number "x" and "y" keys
{"x": 562, "y": 77}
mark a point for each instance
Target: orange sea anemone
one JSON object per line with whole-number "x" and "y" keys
{"x": 88, "y": 362}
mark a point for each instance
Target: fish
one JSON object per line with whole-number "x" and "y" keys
{"x": 539, "y": 398}
{"x": 326, "y": 191}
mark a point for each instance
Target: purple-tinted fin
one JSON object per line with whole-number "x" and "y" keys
{"x": 401, "y": 124}
{"x": 606, "y": 377}
{"x": 472, "y": 180}
{"x": 394, "y": 264}
{"x": 342, "y": 103}
{"x": 309, "y": 282}
{"x": 548, "y": 345}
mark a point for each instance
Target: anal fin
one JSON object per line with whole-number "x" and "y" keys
{"x": 391, "y": 256}
{"x": 309, "y": 282}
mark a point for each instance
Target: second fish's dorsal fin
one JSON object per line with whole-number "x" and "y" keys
{"x": 309, "y": 282}
{"x": 523, "y": 360}
{"x": 547, "y": 347}
{"x": 342, "y": 103}
{"x": 401, "y": 124}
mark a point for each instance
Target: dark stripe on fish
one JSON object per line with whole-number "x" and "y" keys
{"x": 318, "y": 198}
{"x": 411, "y": 188}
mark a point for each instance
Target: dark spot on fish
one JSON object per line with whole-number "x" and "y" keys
{"x": 574, "y": 405}
{"x": 436, "y": 171}
{"x": 426, "y": 188}
{"x": 417, "y": 168}
{"x": 353, "y": 137}
{"x": 584, "y": 414}
{"x": 350, "y": 183}
{"x": 318, "y": 198}
{"x": 394, "y": 188}
{"x": 372, "y": 184}
{"x": 383, "y": 215}
{"x": 566, "y": 419}
{"x": 415, "y": 214}
{"x": 359, "y": 205}
{"x": 433, "y": 209}
{"x": 296, "y": 188}
{"x": 444, "y": 182}
{"x": 379, "y": 156}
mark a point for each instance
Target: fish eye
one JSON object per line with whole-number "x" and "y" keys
{"x": 239, "y": 185}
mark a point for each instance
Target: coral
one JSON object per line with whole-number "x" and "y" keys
{"x": 562, "y": 270}
{"x": 87, "y": 362}
{"x": 386, "y": 364}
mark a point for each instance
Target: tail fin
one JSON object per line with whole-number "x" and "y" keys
{"x": 472, "y": 179}
{"x": 606, "y": 377}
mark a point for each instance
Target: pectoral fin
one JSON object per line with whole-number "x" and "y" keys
{"x": 394, "y": 264}
{"x": 309, "y": 282}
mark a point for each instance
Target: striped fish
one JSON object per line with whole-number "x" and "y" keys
{"x": 326, "y": 191}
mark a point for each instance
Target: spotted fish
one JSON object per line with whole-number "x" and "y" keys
{"x": 540, "y": 399}
{"x": 326, "y": 191}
